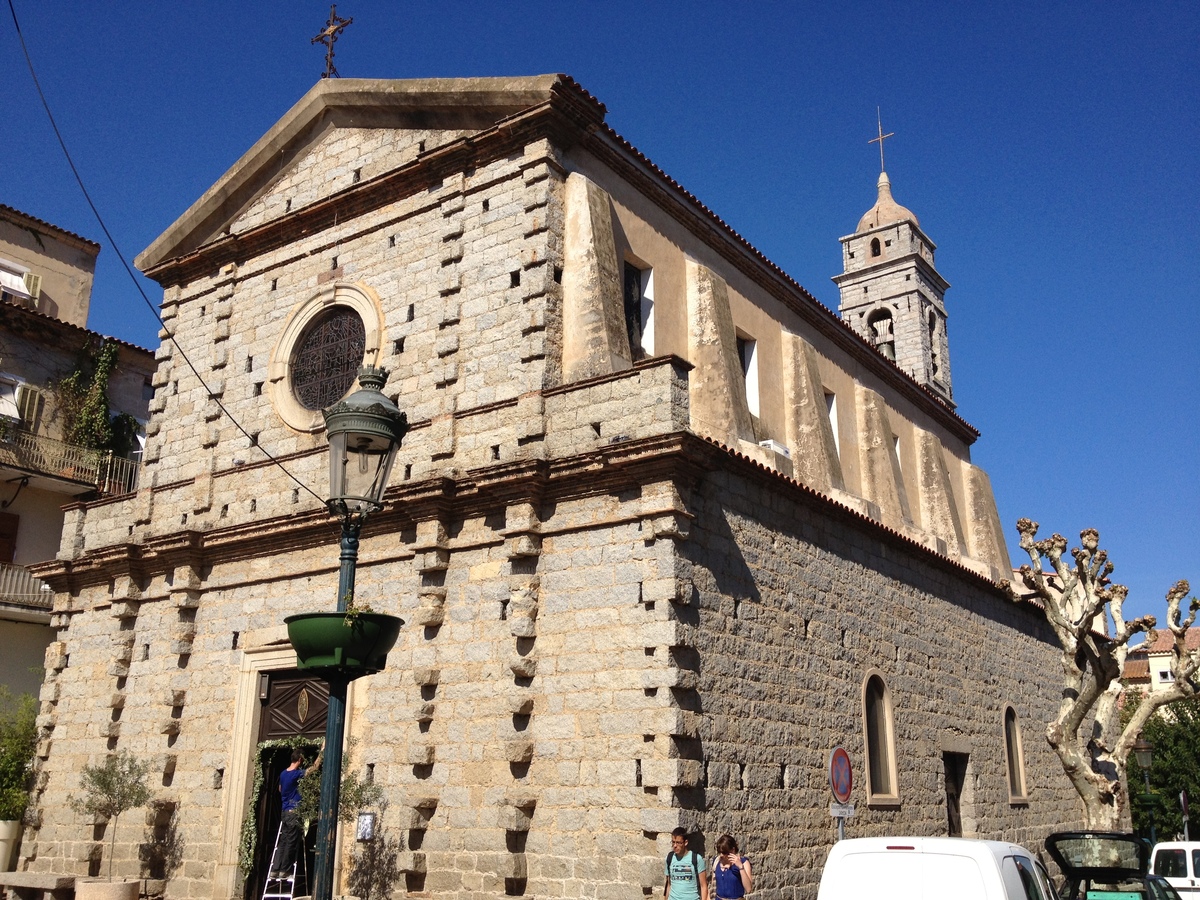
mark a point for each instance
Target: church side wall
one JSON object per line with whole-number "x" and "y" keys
{"x": 795, "y": 606}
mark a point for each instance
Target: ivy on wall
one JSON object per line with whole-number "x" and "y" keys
{"x": 82, "y": 401}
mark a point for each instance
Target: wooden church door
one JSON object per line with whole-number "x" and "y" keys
{"x": 294, "y": 706}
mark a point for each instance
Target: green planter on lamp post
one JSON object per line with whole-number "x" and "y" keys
{"x": 364, "y": 432}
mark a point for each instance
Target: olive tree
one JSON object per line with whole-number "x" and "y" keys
{"x": 1086, "y": 612}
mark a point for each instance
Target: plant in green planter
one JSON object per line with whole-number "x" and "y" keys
{"x": 18, "y": 741}
{"x": 116, "y": 786}
{"x": 354, "y": 643}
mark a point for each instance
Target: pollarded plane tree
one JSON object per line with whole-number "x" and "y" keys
{"x": 1085, "y": 610}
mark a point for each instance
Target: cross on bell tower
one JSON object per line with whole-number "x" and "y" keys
{"x": 334, "y": 27}
{"x": 891, "y": 294}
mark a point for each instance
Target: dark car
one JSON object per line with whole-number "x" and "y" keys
{"x": 1101, "y": 865}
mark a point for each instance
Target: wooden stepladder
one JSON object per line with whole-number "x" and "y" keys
{"x": 284, "y": 887}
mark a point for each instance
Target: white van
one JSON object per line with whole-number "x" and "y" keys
{"x": 1179, "y": 863}
{"x": 932, "y": 868}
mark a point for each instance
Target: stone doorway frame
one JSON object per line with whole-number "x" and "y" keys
{"x": 255, "y": 661}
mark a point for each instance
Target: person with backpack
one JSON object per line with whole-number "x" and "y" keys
{"x": 732, "y": 875}
{"x": 686, "y": 879}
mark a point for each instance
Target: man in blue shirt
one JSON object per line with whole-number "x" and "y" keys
{"x": 685, "y": 870}
{"x": 291, "y": 834}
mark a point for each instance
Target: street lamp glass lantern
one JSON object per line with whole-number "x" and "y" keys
{"x": 364, "y": 432}
{"x": 1144, "y": 751}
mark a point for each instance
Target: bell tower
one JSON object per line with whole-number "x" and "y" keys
{"x": 892, "y": 295}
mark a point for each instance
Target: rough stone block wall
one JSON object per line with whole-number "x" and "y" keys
{"x": 794, "y": 604}
{"x": 464, "y": 325}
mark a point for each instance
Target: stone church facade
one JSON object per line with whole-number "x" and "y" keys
{"x": 665, "y": 530}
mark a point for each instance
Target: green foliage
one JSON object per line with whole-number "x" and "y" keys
{"x": 18, "y": 741}
{"x": 1175, "y": 734}
{"x": 356, "y": 793}
{"x": 82, "y": 400}
{"x": 249, "y": 839}
{"x": 374, "y": 867}
{"x": 116, "y": 786}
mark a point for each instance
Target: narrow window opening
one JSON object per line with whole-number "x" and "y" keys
{"x": 747, "y": 349}
{"x": 881, "y": 758}
{"x": 295, "y": 495}
{"x": 514, "y": 278}
{"x": 639, "y": 310}
{"x": 407, "y": 471}
{"x": 274, "y": 283}
{"x": 875, "y": 249}
{"x": 637, "y": 773}
{"x": 411, "y": 312}
{"x": 233, "y": 645}
{"x": 934, "y": 344}
{"x": 486, "y": 204}
{"x": 357, "y": 176}
{"x": 1014, "y": 757}
{"x": 287, "y": 206}
{"x": 391, "y": 240}
{"x": 398, "y": 346}
{"x": 558, "y": 274}
{"x": 495, "y": 451}
{"x": 257, "y": 389}
{"x": 333, "y": 264}
{"x": 253, "y": 505}
{"x": 249, "y": 363}
{"x": 421, "y": 147}
{"x": 831, "y": 411}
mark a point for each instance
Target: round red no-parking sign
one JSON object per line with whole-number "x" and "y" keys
{"x": 841, "y": 775}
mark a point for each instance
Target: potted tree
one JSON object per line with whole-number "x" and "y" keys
{"x": 18, "y": 741}
{"x": 114, "y": 787}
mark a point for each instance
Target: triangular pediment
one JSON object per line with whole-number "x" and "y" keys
{"x": 340, "y": 125}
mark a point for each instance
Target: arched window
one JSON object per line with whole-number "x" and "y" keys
{"x": 875, "y": 249}
{"x": 880, "y": 741}
{"x": 880, "y": 324}
{"x": 1014, "y": 757}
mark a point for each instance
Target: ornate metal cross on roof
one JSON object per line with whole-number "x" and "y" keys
{"x": 882, "y": 137}
{"x": 329, "y": 37}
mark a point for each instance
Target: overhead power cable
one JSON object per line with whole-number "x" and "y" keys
{"x": 170, "y": 335}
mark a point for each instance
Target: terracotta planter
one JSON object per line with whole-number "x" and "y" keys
{"x": 103, "y": 889}
{"x": 325, "y": 642}
{"x": 10, "y": 839}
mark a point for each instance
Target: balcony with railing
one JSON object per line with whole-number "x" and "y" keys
{"x": 18, "y": 587}
{"x": 100, "y": 470}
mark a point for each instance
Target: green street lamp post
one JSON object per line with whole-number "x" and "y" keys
{"x": 364, "y": 432}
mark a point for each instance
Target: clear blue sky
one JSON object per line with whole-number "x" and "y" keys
{"x": 1049, "y": 149}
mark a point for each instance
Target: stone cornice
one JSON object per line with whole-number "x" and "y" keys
{"x": 894, "y": 262}
{"x": 680, "y": 457}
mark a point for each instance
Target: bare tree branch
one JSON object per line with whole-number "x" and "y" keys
{"x": 1086, "y": 613}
